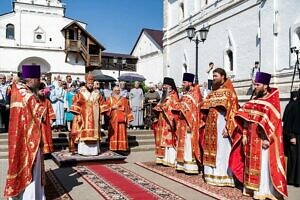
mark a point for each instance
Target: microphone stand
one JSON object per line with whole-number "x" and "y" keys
{"x": 296, "y": 67}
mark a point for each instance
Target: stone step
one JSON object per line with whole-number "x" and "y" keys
{"x": 139, "y": 140}
{"x": 64, "y": 142}
{"x": 3, "y": 141}
{"x": 3, "y": 135}
{"x": 3, "y": 148}
{"x": 3, "y": 155}
{"x": 130, "y": 136}
{"x": 143, "y": 148}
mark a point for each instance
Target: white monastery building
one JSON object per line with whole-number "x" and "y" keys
{"x": 240, "y": 33}
{"x": 149, "y": 51}
{"x": 38, "y": 32}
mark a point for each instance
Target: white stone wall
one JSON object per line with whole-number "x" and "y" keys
{"x": 151, "y": 68}
{"x": 235, "y": 25}
{"x": 150, "y": 59}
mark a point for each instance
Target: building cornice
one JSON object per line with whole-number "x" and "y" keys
{"x": 33, "y": 48}
{"x": 38, "y": 5}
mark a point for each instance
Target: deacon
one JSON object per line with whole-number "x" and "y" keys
{"x": 219, "y": 107}
{"x": 188, "y": 149}
{"x": 87, "y": 107}
{"x": 165, "y": 125}
{"x": 25, "y": 167}
{"x": 262, "y": 140}
{"x": 119, "y": 114}
{"x": 49, "y": 118}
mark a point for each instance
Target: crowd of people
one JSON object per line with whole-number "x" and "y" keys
{"x": 196, "y": 129}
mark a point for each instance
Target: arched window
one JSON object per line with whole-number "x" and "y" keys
{"x": 184, "y": 68}
{"x": 10, "y": 31}
{"x": 228, "y": 60}
{"x": 181, "y": 6}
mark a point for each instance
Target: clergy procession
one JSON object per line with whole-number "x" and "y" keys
{"x": 186, "y": 100}
{"x": 230, "y": 145}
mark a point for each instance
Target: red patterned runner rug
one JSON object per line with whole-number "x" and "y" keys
{"x": 195, "y": 182}
{"x": 115, "y": 182}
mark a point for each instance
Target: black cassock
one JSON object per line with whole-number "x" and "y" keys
{"x": 291, "y": 128}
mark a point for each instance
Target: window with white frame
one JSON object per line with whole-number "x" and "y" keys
{"x": 228, "y": 60}
{"x": 181, "y": 11}
{"x": 10, "y": 31}
{"x": 39, "y": 35}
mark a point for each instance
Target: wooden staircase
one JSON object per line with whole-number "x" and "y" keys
{"x": 139, "y": 140}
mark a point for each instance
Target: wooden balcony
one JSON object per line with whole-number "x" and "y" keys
{"x": 82, "y": 44}
{"x": 94, "y": 60}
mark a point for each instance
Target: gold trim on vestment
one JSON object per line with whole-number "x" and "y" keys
{"x": 263, "y": 115}
{"x": 218, "y": 177}
{"x": 251, "y": 186}
{"x": 279, "y": 164}
{"x": 187, "y": 170}
{"x": 21, "y": 170}
{"x": 168, "y": 164}
{"x": 220, "y": 184}
{"x": 89, "y": 139}
{"x": 17, "y": 105}
{"x": 159, "y": 161}
{"x": 271, "y": 106}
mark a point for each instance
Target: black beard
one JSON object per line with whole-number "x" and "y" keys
{"x": 260, "y": 94}
{"x": 164, "y": 95}
{"x": 187, "y": 88}
{"x": 215, "y": 85}
{"x": 90, "y": 90}
{"x": 41, "y": 96}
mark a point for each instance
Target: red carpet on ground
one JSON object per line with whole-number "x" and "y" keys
{"x": 123, "y": 184}
{"x": 113, "y": 181}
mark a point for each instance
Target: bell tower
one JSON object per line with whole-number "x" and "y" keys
{"x": 53, "y": 7}
{"x": 55, "y": 3}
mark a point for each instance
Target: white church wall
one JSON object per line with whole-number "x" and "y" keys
{"x": 52, "y": 58}
{"x": 223, "y": 34}
{"x": 152, "y": 68}
{"x": 150, "y": 59}
{"x": 28, "y": 21}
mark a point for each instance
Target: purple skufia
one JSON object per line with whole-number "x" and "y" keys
{"x": 188, "y": 77}
{"x": 263, "y": 78}
{"x": 31, "y": 71}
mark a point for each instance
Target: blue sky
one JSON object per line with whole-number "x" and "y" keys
{"x": 115, "y": 23}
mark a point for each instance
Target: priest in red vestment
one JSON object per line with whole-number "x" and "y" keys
{"x": 220, "y": 107}
{"x": 87, "y": 107}
{"x": 25, "y": 138}
{"x": 165, "y": 125}
{"x": 187, "y": 128}
{"x": 260, "y": 166}
{"x": 119, "y": 114}
{"x": 49, "y": 119}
